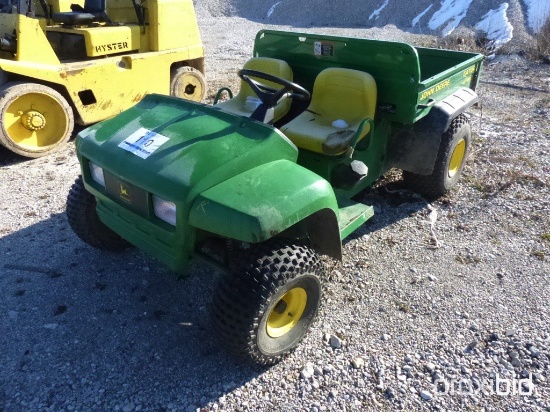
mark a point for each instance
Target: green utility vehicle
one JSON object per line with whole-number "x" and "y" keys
{"x": 262, "y": 184}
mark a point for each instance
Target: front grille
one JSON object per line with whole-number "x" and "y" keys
{"x": 127, "y": 194}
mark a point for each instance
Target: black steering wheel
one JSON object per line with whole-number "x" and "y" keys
{"x": 268, "y": 95}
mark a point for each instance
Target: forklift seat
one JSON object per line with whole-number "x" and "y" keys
{"x": 245, "y": 102}
{"x": 94, "y": 11}
{"x": 341, "y": 100}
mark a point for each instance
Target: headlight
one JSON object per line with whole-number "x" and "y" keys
{"x": 97, "y": 174}
{"x": 164, "y": 210}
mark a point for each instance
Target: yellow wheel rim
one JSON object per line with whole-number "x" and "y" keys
{"x": 35, "y": 120}
{"x": 286, "y": 313}
{"x": 457, "y": 158}
{"x": 190, "y": 87}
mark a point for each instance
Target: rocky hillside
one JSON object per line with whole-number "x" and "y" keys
{"x": 513, "y": 22}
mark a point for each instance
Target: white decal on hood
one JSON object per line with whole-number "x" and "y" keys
{"x": 143, "y": 142}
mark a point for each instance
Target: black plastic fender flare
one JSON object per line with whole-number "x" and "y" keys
{"x": 414, "y": 149}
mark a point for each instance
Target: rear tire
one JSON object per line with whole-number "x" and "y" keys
{"x": 188, "y": 83}
{"x": 264, "y": 308}
{"x": 453, "y": 151}
{"x": 85, "y": 223}
{"x": 35, "y": 120}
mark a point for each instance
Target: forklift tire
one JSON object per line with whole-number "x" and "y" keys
{"x": 35, "y": 120}
{"x": 453, "y": 151}
{"x": 188, "y": 83}
{"x": 85, "y": 223}
{"x": 264, "y": 307}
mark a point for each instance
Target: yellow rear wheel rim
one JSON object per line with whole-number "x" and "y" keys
{"x": 457, "y": 158}
{"x": 190, "y": 87}
{"x": 35, "y": 120}
{"x": 286, "y": 313}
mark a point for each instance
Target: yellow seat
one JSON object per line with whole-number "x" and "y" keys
{"x": 342, "y": 99}
{"x": 239, "y": 105}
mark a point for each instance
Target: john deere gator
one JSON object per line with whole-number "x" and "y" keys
{"x": 262, "y": 184}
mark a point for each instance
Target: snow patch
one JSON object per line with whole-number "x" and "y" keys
{"x": 376, "y": 12}
{"x": 417, "y": 18}
{"x": 272, "y": 9}
{"x": 538, "y": 11}
{"x": 451, "y": 11}
{"x": 495, "y": 23}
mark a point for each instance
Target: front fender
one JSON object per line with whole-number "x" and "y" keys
{"x": 264, "y": 201}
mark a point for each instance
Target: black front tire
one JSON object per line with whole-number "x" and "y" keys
{"x": 85, "y": 223}
{"x": 265, "y": 306}
{"x": 453, "y": 150}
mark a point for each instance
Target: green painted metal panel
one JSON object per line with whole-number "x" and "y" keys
{"x": 443, "y": 73}
{"x": 151, "y": 235}
{"x": 262, "y": 202}
{"x": 204, "y": 146}
{"x": 352, "y": 215}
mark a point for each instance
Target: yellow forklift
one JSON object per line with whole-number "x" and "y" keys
{"x": 63, "y": 63}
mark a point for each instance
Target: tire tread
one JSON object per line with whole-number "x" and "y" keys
{"x": 85, "y": 223}
{"x": 241, "y": 298}
{"x": 432, "y": 186}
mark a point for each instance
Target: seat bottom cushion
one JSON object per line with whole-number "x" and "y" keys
{"x": 312, "y": 132}
{"x": 243, "y": 108}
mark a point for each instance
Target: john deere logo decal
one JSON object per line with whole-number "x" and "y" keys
{"x": 124, "y": 193}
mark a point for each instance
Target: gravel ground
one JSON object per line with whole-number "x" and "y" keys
{"x": 429, "y": 297}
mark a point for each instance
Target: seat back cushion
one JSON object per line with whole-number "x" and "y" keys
{"x": 95, "y": 6}
{"x": 340, "y": 96}
{"x": 344, "y": 94}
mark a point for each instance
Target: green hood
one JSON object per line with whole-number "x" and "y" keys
{"x": 204, "y": 146}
